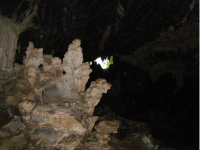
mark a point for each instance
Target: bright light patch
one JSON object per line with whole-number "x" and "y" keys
{"x": 102, "y": 63}
{"x": 105, "y": 63}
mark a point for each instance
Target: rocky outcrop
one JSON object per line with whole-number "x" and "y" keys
{"x": 46, "y": 103}
{"x": 94, "y": 93}
{"x": 98, "y": 140}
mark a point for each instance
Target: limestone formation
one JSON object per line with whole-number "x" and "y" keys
{"x": 98, "y": 140}
{"x": 94, "y": 93}
{"x": 107, "y": 126}
{"x": 34, "y": 56}
{"x": 50, "y": 108}
{"x": 74, "y": 57}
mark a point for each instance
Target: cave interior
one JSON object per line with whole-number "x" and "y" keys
{"x": 155, "y": 50}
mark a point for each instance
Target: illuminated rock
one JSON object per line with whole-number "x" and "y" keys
{"x": 94, "y": 93}
{"x": 54, "y": 106}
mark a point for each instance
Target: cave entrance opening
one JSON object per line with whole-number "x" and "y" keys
{"x": 105, "y": 63}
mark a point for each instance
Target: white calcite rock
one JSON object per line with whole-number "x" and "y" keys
{"x": 56, "y": 63}
{"x": 94, "y": 93}
{"x": 77, "y": 73}
{"x": 81, "y": 76}
{"x": 73, "y": 57}
{"x": 34, "y": 56}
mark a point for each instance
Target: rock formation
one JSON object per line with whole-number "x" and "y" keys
{"x": 47, "y": 106}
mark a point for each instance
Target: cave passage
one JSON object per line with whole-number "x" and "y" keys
{"x": 105, "y": 63}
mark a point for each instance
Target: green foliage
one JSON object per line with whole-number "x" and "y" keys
{"x": 109, "y": 62}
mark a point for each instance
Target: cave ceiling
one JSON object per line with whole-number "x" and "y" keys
{"x": 157, "y": 36}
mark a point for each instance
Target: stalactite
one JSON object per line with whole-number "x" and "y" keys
{"x": 8, "y": 44}
{"x": 9, "y": 32}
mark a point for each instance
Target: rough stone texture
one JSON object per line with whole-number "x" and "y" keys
{"x": 16, "y": 142}
{"x": 34, "y": 56}
{"x": 52, "y": 67}
{"x": 94, "y": 93}
{"x": 91, "y": 121}
{"x": 99, "y": 139}
{"x": 48, "y": 107}
{"x": 74, "y": 57}
{"x": 47, "y": 63}
{"x": 26, "y": 106}
{"x": 138, "y": 141}
{"x": 81, "y": 76}
{"x": 133, "y": 135}
{"x": 107, "y": 126}
{"x": 58, "y": 117}
{"x": 54, "y": 137}
{"x": 15, "y": 126}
